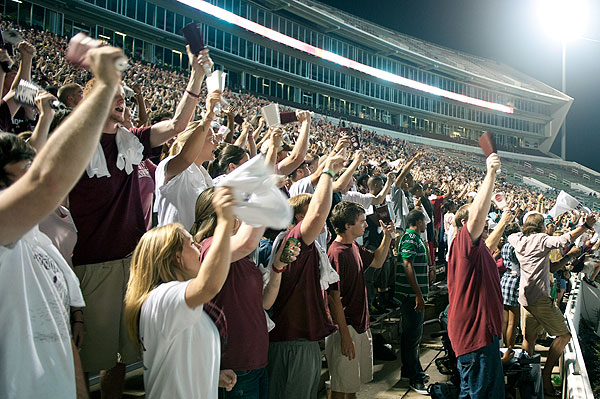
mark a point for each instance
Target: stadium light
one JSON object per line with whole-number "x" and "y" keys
{"x": 563, "y": 20}
{"x": 271, "y": 34}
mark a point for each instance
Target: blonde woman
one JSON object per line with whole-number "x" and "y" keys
{"x": 167, "y": 312}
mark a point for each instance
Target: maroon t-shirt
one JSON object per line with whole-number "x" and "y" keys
{"x": 350, "y": 261}
{"x": 5, "y": 117}
{"x": 300, "y": 310}
{"x": 240, "y": 299}
{"x": 437, "y": 211}
{"x": 108, "y": 211}
{"x": 475, "y": 311}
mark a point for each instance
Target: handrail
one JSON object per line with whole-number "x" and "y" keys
{"x": 576, "y": 380}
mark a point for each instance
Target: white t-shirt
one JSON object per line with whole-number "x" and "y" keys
{"x": 363, "y": 199}
{"x": 302, "y": 186}
{"x": 181, "y": 346}
{"x": 37, "y": 287}
{"x": 176, "y": 200}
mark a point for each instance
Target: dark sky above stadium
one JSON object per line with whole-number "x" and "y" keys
{"x": 507, "y": 31}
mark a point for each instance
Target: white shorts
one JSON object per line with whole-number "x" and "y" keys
{"x": 347, "y": 375}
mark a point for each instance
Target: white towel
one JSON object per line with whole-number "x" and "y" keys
{"x": 130, "y": 152}
{"x": 327, "y": 274}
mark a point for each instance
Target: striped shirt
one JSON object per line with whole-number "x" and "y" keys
{"x": 414, "y": 250}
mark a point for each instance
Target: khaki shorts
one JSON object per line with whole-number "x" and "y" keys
{"x": 543, "y": 315}
{"x": 105, "y": 340}
{"x": 347, "y": 375}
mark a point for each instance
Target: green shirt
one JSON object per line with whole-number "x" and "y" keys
{"x": 413, "y": 249}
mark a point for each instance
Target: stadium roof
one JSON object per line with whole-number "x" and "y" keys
{"x": 397, "y": 45}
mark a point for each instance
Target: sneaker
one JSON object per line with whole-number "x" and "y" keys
{"x": 419, "y": 387}
{"x": 590, "y": 282}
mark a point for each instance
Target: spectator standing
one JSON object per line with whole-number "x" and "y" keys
{"x": 412, "y": 287}
{"x": 108, "y": 213}
{"x": 475, "y": 299}
{"x": 349, "y": 350}
{"x": 532, "y": 247}
{"x": 510, "y": 290}
{"x": 180, "y": 178}
{"x": 167, "y": 310}
{"x": 38, "y": 284}
{"x": 299, "y": 312}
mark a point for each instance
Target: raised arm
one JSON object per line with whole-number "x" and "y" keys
{"x": 342, "y": 182}
{"x": 296, "y": 157}
{"x": 163, "y": 131}
{"x": 381, "y": 252}
{"x": 494, "y": 238}
{"x": 406, "y": 169}
{"x": 590, "y": 220}
{"x": 59, "y": 165}
{"x": 27, "y": 51}
{"x": 480, "y": 207}
{"x": 245, "y": 241}
{"x": 243, "y": 137}
{"x": 42, "y": 128}
{"x": 274, "y": 146}
{"x": 194, "y": 143}
{"x": 320, "y": 204}
{"x": 230, "y": 113}
{"x": 216, "y": 263}
{"x": 139, "y": 99}
{"x": 380, "y": 198}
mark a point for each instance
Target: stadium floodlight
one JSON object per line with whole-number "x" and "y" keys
{"x": 271, "y": 34}
{"x": 563, "y": 19}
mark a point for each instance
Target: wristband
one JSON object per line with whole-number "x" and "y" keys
{"x": 329, "y": 172}
{"x": 76, "y": 321}
{"x": 276, "y": 270}
{"x": 588, "y": 227}
{"x": 192, "y": 94}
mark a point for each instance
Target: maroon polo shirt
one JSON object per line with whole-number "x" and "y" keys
{"x": 475, "y": 311}
{"x": 351, "y": 261}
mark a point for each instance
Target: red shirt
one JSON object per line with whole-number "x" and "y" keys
{"x": 475, "y": 311}
{"x": 437, "y": 211}
{"x": 350, "y": 261}
{"x": 108, "y": 211}
{"x": 240, "y": 299}
{"x": 300, "y": 310}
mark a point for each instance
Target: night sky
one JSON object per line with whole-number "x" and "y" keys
{"x": 508, "y": 31}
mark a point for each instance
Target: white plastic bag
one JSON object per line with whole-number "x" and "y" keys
{"x": 258, "y": 200}
{"x": 564, "y": 203}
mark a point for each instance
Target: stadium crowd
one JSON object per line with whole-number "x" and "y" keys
{"x": 119, "y": 243}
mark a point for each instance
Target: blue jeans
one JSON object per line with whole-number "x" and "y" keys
{"x": 412, "y": 330}
{"x": 251, "y": 384}
{"x": 481, "y": 375}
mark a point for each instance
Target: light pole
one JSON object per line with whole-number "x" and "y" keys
{"x": 563, "y": 128}
{"x": 564, "y": 20}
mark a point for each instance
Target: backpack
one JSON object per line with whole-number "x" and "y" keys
{"x": 443, "y": 390}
